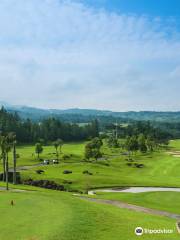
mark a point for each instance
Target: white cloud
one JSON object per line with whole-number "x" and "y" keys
{"x": 62, "y": 54}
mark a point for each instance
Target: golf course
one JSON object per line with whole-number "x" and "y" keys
{"x": 71, "y": 214}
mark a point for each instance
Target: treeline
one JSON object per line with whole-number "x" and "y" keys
{"x": 49, "y": 129}
{"x": 159, "y": 134}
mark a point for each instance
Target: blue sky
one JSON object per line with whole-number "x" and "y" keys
{"x": 163, "y": 8}
{"x": 118, "y": 55}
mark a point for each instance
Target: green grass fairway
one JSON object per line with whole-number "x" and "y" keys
{"x": 175, "y": 144}
{"x": 52, "y": 215}
{"x": 167, "y": 201}
{"x": 28, "y": 156}
{"x": 161, "y": 168}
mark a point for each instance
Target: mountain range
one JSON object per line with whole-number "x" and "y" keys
{"x": 85, "y": 115}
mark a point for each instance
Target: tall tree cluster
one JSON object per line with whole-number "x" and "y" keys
{"x": 92, "y": 149}
{"x": 49, "y": 129}
{"x": 141, "y": 143}
{"x": 8, "y": 143}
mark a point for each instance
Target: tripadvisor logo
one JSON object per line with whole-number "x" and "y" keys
{"x": 139, "y": 231}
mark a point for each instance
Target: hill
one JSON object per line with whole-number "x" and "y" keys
{"x": 86, "y": 115}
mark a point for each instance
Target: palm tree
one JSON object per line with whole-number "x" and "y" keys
{"x": 8, "y": 146}
{"x": 38, "y": 149}
{"x": 3, "y": 154}
{"x": 56, "y": 145}
{"x": 60, "y": 143}
{"x": 13, "y": 139}
{"x": 6, "y": 143}
{"x": 7, "y": 170}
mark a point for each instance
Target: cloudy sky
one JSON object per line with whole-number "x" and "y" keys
{"x": 117, "y": 55}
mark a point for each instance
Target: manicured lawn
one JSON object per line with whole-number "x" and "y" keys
{"x": 175, "y": 144}
{"x": 52, "y": 215}
{"x": 28, "y": 156}
{"x": 160, "y": 169}
{"x": 167, "y": 201}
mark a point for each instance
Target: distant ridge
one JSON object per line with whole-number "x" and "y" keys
{"x": 85, "y": 114}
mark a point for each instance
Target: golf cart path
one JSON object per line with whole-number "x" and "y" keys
{"x": 13, "y": 189}
{"x": 133, "y": 207}
{"x": 28, "y": 167}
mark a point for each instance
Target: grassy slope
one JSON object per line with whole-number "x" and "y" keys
{"x": 160, "y": 168}
{"x": 51, "y": 215}
{"x": 54, "y": 215}
{"x": 28, "y": 156}
{"x": 167, "y": 201}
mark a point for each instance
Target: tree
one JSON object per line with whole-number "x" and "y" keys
{"x": 113, "y": 142}
{"x": 95, "y": 128}
{"x": 38, "y": 149}
{"x": 96, "y": 153}
{"x": 56, "y": 145}
{"x": 50, "y": 129}
{"x": 8, "y": 149}
{"x": 60, "y": 142}
{"x": 142, "y": 143}
{"x": 150, "y": 143}
{"x": 92, "y": 149}
{"x": 96, "y": 143}
{"x": 88, "y": 151}
{"x": 8, "y": 146}
{"x": 14, "y": 142}
{"x": 3, "y": 154}
{"x": 134, "y": 144}
{"x": 131, "y": 144}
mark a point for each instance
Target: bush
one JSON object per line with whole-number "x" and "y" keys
{"x": 87, "y": 172}
{"x": 66, "y": 156}
{"x": 129, "y": 164}
{"x": 44, "y": 184}
{"x": 104, "y": 163}
{"x": 129, "y": 160}
{"x": 139, "y": 165}
{"x": 67, "y": 171}
{"x": 67, "y": 182}
{"x": 39, "y": 171}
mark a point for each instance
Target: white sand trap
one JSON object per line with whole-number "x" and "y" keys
{"x": 136, "y": 190}
{"x": 174, "y": 153}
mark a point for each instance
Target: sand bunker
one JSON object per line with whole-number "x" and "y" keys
{"x": 174, "y": 153}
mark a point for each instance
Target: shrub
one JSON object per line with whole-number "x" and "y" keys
{"x": 39, "y": 171}
{"x": 129, "y": 164}
{"x": 139, "y": 165}
{"x": 67, "y": 171}
{"x": 87, "y": 172}
{"x": 67, "y": 182}
{"x": 66, "y": 156}
{"x": 44, "y": 184}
